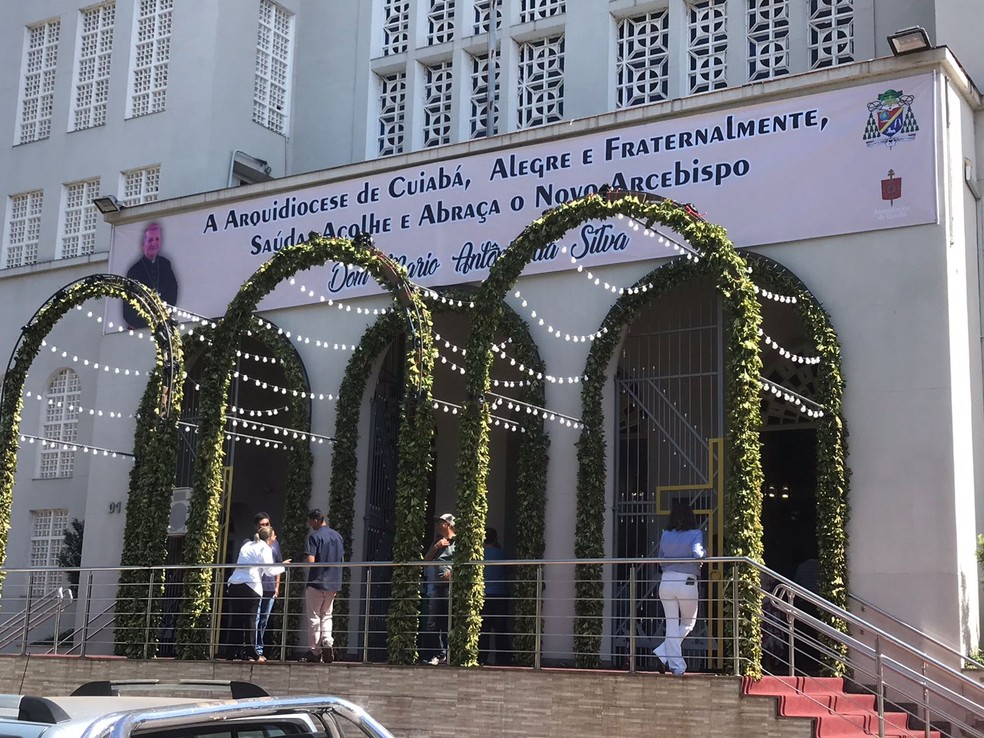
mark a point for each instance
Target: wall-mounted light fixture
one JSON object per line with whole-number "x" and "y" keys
{"x": 909, "y": 41}
{"x": 107, "y": 204}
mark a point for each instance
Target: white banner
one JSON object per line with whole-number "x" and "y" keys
{"x": 856, "y": 159}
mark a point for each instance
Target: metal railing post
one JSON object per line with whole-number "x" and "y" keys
{"x": 538, "y": 613}
{"x": 58, "y": 612}
{"x": 632, "y": 620}
{"x": 447, "y": 633}
{"x": 791, "y": 639}
{"x": 285, "y": 615}
{"x": 85, "y": 618}
{"x": 365, "y": 621}
{"x": 880, "y": 673}
{"x": 925, "y": 704}
{"x": 25, "y": 632}
{"x": 735, "y": 619}
{"x": 150, "y": 597}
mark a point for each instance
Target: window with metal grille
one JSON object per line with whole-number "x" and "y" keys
{"x": 92, "y": 66}
{"x": 79, "y": 218}
{"x": 768, "y": 39}
{"x": 532, "y": 10}
{"x": 437, "y": 104}
{"x": 38, "y": 85}
{"x": 440, "y": 21}
{"x": 271, "y": 86}
{"x": 541, "y": 82}
{"x": 23, "y": 228}
{"x": 707, "y": 46}
{"x": 642, "y": 62}
{"x": 60, "y": 428}
{"x": 478, "y": 119}
{"x": 47, "y": 537}
{"x": 831, "y": 35}
{"x": 392, "y": 113}
{"x": 396, "y": 26}
{"x": 481, "y": 10}
{"x": 141, "y": 185}
{"x": 151, "y": 56}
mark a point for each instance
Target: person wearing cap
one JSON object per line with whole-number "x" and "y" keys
{"x": 441, "y": 551}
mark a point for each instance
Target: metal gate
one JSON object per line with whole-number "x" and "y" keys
{"x": 670, "y": 411}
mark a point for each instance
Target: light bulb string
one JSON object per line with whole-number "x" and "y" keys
{"x": 67, "y": 445}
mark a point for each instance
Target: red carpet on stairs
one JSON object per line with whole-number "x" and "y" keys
{"x": 836, "y": 713}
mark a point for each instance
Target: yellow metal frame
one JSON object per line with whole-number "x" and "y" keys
{"x": 715, "y": 529}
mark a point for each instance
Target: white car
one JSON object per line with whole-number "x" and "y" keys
{"x": 101, "y": 710}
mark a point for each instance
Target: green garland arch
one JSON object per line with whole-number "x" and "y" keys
{"x": 201, "y": 541}
{"x": 155, "y": 440}
{"x": 718, "y": 257}
{"x": 833, "y": 474}
{"x": 531, "y": 463}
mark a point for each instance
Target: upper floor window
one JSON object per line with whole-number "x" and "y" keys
{"x": 151, "y": 56}
{"x": 141, "y": 185}
{"x": 541, "y": 82}
{"x": 47, "y": 538}
{"x": 396, "y": 26}
{"x": 95, "y": 56}
{"x": 768, "y": 39}
{"x": 482, "y": 10}
{"x": 532, "y": 10}
{"x": 440, "y": 21}
{"x": 707, "y": 45}
{"x": 392, "y": 113}
{"x": 271, "y": 86}
{"x": 23, "y": 228}
{"x": 79, "y": 218}
{"x": 38, "y": 86}
{"x": 61, "y": 425}
{"x": 831, "y": 33}
{"x": 437, "y": 104}
{"x": 642, "y": 64}
{"x": 479, "y": 113}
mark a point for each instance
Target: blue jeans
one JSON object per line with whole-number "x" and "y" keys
{"x": 262, "y": 618}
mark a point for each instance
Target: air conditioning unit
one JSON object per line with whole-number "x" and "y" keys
{"x": 177, "y": 525}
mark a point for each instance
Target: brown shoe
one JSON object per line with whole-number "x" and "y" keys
{"x": 327, "y": 654}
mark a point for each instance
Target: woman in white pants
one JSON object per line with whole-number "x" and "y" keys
{"x": 682, "y": 539}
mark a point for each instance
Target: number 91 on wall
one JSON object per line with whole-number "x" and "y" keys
{"x": 115, "y": 507}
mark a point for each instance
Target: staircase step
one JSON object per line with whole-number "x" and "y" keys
{"x": 836, "y": 713}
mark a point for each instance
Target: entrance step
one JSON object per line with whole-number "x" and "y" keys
{"x": 836, "y": 712}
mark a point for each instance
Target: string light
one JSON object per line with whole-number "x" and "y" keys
{"x": 69, "y": 445}
{"x": 785, "y": 353}
{"x": 331, "y": 302}
{"x": 804, "y": 404}
{"x": 556, "y": 332}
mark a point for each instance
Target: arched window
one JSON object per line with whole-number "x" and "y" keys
{"x": 61, "y": 425}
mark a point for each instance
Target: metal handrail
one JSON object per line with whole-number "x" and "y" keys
{"x": 915, "y": 631}
{"x": 21, "y": 624}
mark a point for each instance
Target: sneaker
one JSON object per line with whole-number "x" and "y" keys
{"x": 434, "y": 661}
{"x": 660, "y": 664}
{"x": 311, "y": 658}
{"x": 260, "y": 659}
{"x": 327, "y": 654}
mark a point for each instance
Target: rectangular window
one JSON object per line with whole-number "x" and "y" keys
{"x": 271, "y": 86}
{"x": 61, "y": 425}
{"x": 23, "y": 228}
{"x": 642, "y": 64}
{"x": 831, "y": 33}
{"x": 768, "y": 39}
{"x": 541, "y": 82}
{"x": 533, "y": 10}
{"x": 392, "y": 113}
{"x": 79, "y": 218}
{"x": 440, "y": 22}
{"x": 396, "y": 26}
{"x": 47, "y": 537}
{"x": 481, "y": 9}
{"x": 479, "y": 101}
{"x": 95, "y": 55}
{"x": 151, "y": 55}
{"x": 141, "y": 185}
{"x": 707, "y": 46}
{"x": 437, "y": 104}
{"x": 38, "y": 86}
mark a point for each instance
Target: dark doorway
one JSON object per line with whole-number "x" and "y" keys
{"x": 789, "y": 518}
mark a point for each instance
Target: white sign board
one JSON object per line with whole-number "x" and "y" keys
{"x": 851, "y": 160}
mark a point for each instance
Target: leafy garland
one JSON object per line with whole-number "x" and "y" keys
{"x": 745, "y": 478}
{"x": 201, "y": 542}
{"x": 833, "y": 475}
{"x": 155, "y": 441}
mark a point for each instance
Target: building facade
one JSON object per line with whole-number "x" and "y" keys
{"x": 205, "y": 118}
